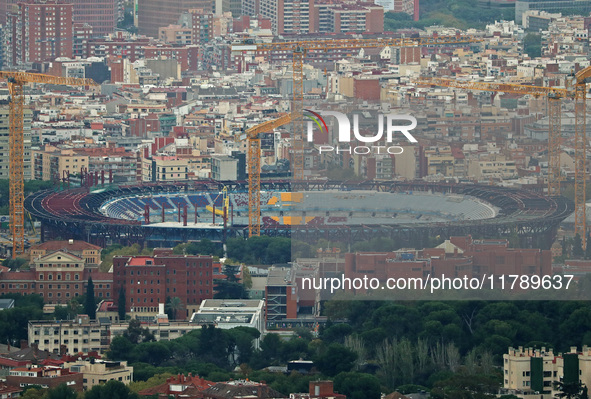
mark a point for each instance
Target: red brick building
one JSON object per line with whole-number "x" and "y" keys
{"x": 102, "y": 15}
{"x": 41, "y": 32}
{"x": 118, "y": 47}
{"x": 458, "y": 257}
{"x": 186, "y": 56}
{"x": 150, "y": 280}
{"x": 59, "y": 271}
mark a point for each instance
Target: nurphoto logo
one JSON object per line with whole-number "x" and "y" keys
{"x": 391, "y": 121}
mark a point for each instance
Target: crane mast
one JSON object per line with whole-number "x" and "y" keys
{"x": 577, "y": 90}
{"x": 16, "y": 83}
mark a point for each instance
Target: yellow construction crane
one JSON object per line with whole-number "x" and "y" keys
{"x": 299, "y": 49}
{"x": 577, "y": 90}
{"x": 579, "y": 85}
{"x": 16, "y": 82}
{"x": 253, "y": 159}
{"x": 553, "y": 94}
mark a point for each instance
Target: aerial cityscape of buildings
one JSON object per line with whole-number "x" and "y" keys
{"x": 181, "y": 205}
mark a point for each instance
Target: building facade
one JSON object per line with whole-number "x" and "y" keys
{"x": 97, "y": 372}
{"x": 39, "y": 31}
{"x": 531, "y": 373}
{"x": 59, "y": 275}
{"x": 154, "y": 14}
{"x": 4, "y": 140}
{"x": 150, "y": 280}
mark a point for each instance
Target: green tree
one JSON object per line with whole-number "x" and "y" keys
{"x": 111, "y": 390}
{"x": 33, "y": 392}
{"x": 14, "y": 264}
{"x": 570, "y": 390}
{"x": 136, "y": 334}
{"x": 174, "y": 306}
{"x": 532, "y": 45}
{"x": 61, "y": 392}
{"x": 121, "y": 348}
{"x": 90, "y": 302}
{"x": 335, "y": 359}
{"x": 121, "y": 305}
{"x": 358, "y": 385}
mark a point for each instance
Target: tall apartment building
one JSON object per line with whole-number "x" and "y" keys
{"x": 4, "y": 133}
{"x": 287, "y": 16}
{"x": 359, "y": 17}
{"x": 410, "y": 7}
{"x": 201, "y": 26}
{"x": 118, "y": 46}
{"x": 150, "y": 280}
{"x": 82, "y": 34}
{"x": 310, "y": 16}
{"x": 102, "y": 15}
{"x": 251, "y": 7}
{"x": 39, "y": 31}
{"x": 154, "y": 14}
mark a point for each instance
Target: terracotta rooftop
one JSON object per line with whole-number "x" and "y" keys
{"x": 77, "y": 245}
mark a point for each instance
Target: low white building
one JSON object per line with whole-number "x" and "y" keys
{"x": 230, "y": 313}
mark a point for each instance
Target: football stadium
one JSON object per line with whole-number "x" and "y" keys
{"x": 165, "y": 214}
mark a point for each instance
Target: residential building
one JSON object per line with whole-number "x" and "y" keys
{"x": 150, "y": 280}
{"x": 201, "y": 26}
{"x": 531, "y": 373}
{"x": 346, "y": 17}
{"x": 175, "y": 34}
{"x": 9, "y": 392}
{"x": 44, "y": 376}
{"x": 494, "y": 167}
{"x": 101, "y": 15}
{"x": 83, "y": 335}
{"x": 118, "y": 47}
{"x": 164, "y": 168}
{"x": 121, "y": 164}
{"x": 4, "y": 140}
{"x": 82, "y": 34}
{"x": 40, "y": 32}
{"x": 181, "y": 386}
{"x": 154, "y": 14}
{"x": 52, "y": 163}
{"x": 97, "y": 372}
{"x": 186, "y": 56}
{"x": 287, "y": 16}
{"x": 281, "y": 297}
{"x": 241, "y": 389}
